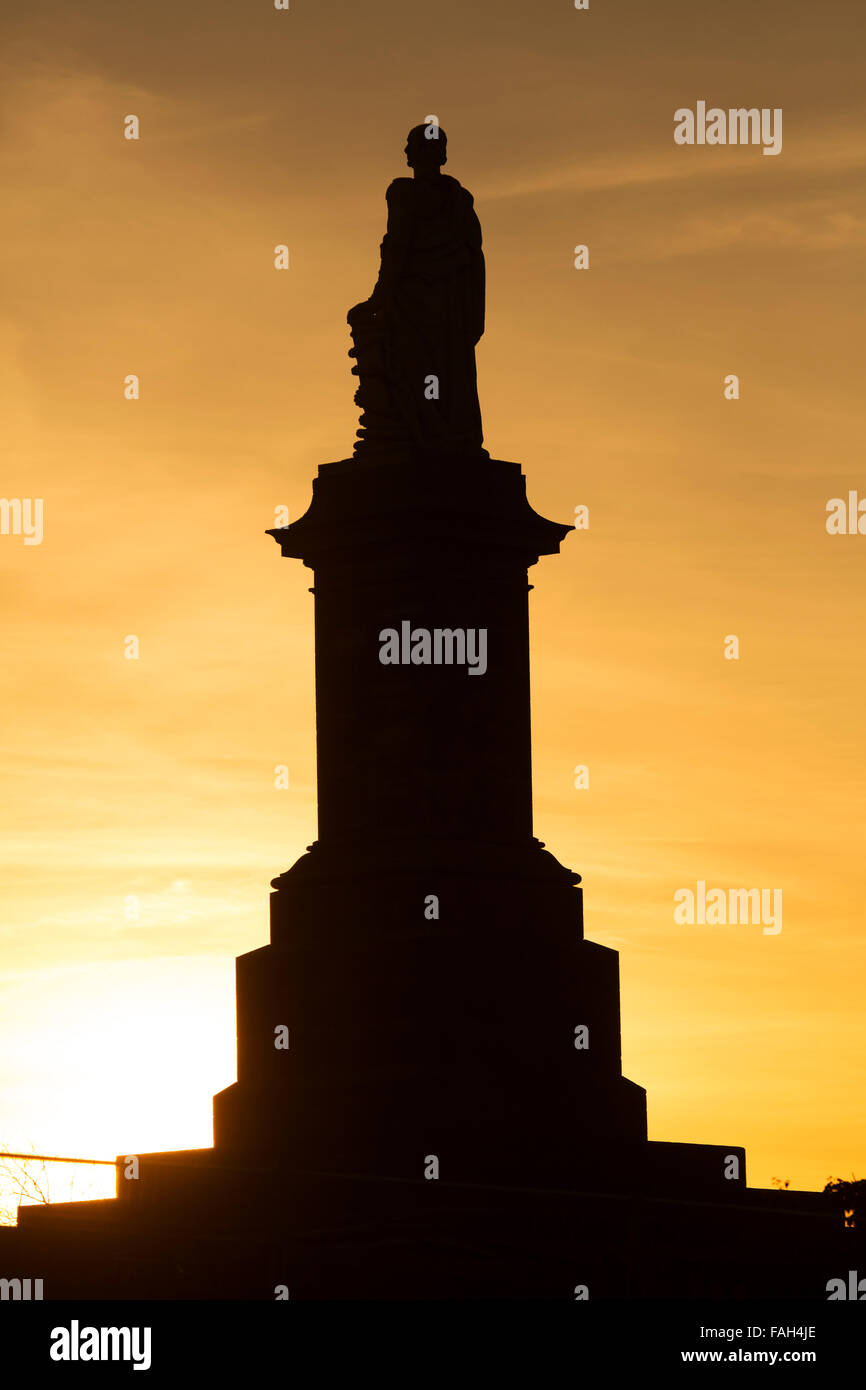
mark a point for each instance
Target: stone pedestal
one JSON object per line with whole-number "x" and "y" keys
{"x": 427, "y": 954}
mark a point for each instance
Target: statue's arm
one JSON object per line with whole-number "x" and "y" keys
{"x": 395, "y": 245}
{"x": 478, "y": 273}
{"x": 480, "y": 279}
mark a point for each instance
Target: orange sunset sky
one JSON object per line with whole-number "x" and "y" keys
{"x": 154, "y": 778}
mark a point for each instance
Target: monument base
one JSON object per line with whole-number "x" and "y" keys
{"x": 196, "y": 1231}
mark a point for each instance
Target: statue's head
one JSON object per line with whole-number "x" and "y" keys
{"x": 426, "y": 148}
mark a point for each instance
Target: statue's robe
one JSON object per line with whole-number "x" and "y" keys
{"x": 423, "y": 320}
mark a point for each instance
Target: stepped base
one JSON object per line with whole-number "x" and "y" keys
{"x": 191, "y": 1230}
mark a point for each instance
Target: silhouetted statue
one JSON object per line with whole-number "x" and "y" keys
{"x": 414, "y": 338}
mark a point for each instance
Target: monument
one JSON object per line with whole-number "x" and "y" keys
{"x": 429, "y": 1099}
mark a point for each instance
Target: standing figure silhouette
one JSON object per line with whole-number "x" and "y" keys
{"x": 414, "y": 338}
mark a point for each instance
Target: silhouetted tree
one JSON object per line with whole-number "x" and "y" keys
{"x": 847, "y": 1195}
{"x": 24, "y": 1178}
